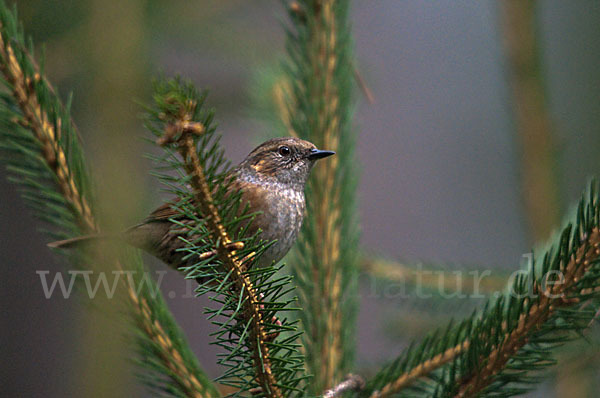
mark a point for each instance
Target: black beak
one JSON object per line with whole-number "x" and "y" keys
{"x": 319, "y": 154}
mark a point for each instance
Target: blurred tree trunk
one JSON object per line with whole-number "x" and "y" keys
{"x": 115, "y": 62}
{"x": 532, "y": 122}
{"x": 539, "y": 166}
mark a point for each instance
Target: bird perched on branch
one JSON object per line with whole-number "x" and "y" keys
{"x": 272, "y": 180}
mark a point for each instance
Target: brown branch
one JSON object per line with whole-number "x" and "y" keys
{"x": 184, "y": 129}
{"x": 362, "y": 84}
{"x": 326, "y": 195}
{"x": 36, "y": 119}
{"x": 432, "y": 278}
{"x": 421, "y": 370}
{"x": 170, "y": 356}
{"x": 323, "y": 91}
{"x": 554, "y": 297}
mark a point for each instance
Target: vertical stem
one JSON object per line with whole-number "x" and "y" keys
{"x": 326, "y": 247}
{"x": 534, "y": 132}
{"x": 117, "y": 61}
{"x": 114, "y": 33}
{"x": 320, "y": 111}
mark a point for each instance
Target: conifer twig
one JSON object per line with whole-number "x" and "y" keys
{"x": 48, "y": 132}
{"x": 37, "y": 120}
{"x": 181, "y": 133}
{"x": 555, "y": 297}
{"x": 421, "y": 370}
{"x": 320, "y": 110}
{"x": 169, "y": 354}
{"x": 297, "y": 10}
{"x": 329, "y": 248}
{"x": 497, "y": 350}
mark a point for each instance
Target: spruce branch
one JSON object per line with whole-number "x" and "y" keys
{"x": 421, "y": 363}
{"x": 567, "y": 293}
{"x": 170, "y": 355}
{"x": 161, "y": 339}
{"x": 38, "y": 133}
{"x": 320, "y": 71}
{"x": 421, "y": 370}
{"x": 262, "y": 356}
{"x": 47, "y": 132}
{"x": 502, "y": 349}
{"x": 185, "y": 129}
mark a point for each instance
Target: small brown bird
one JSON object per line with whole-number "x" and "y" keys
{"x": 272, "y": 180}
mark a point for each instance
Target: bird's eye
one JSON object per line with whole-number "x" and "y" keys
{"x": 284, "y": 150}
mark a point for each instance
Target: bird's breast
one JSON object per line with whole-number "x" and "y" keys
{"x": 281, "y": 213}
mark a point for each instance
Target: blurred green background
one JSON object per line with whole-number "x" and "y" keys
{"x": 442, "y": 157}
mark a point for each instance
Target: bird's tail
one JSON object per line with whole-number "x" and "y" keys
{"x": 78, "y": 241}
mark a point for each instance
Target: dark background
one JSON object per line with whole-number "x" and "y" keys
{"x": 440, "y": 161}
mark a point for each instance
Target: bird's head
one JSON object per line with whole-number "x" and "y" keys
{"x": 288, "y": 160}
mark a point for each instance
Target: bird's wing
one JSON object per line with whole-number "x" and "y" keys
{"x": 165, "y": 211}
{"x": 169, "y": 209}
